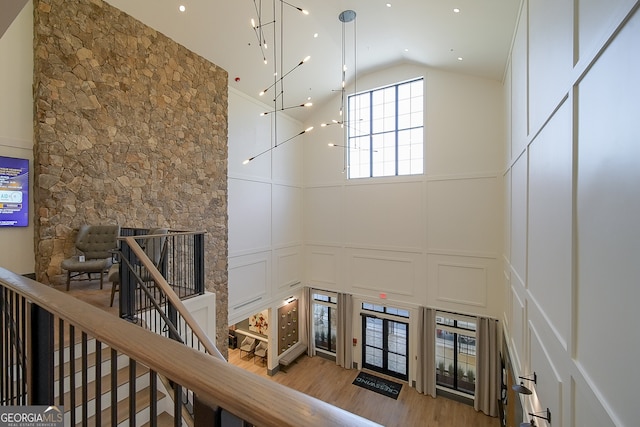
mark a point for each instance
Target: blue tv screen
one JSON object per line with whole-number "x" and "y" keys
{"x": 14, "y": 192}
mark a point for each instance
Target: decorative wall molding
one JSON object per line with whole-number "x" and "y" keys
{"x": 457, "y": 282}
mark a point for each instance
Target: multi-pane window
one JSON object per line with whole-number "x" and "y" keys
{"x": 324, "y": 320}
{"x": 456, "y": 352}
{"x": 385, "y": 131}
{"x": 383, "y": 309}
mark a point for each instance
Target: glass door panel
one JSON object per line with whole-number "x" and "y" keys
{"x": 385, "y": 345}
{"x": 373, "y": 352}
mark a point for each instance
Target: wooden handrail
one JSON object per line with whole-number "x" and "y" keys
{"x": 255, "y": 399}
{"x": 161, "y": 283}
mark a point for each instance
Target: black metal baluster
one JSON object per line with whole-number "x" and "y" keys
{"x": 72, "y": 374}
{"x": 61, "y": 350}
{"x": 98, "y": 381}
{"x": 42, "y": 355}
{"x": 11, "y": 348}
{"x": 132, "y": 393}
{"x": 3, "y": 377}
{"x": 114, "y": 388}
{"x": 23, "y": 351}
{"x": 153, "y": 399}
{"x": 85, "y": 368}
{"x": 177, "y": 405}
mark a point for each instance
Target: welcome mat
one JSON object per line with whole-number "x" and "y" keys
{"x": 377, "y": 384}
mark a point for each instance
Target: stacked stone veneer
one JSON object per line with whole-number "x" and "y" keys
{"x": 129, "y": 128}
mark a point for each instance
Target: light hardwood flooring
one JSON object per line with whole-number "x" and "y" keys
{"x": 326, "y": 381}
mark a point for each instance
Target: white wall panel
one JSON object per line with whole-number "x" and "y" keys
{"x": 550, "y": 222}
{"x": 249, "y": 282}
{"x": 322, "y": 266}
{"x": 518, "y": 355}
{"x": 249, "y": 215}
{"x": 466, "y": 284}
{"x": 248, "y": 137}
{"x": 323, "y": 215}
{"x": 508, "y": 121}
{"x": 203, "y": 310}
{"x": 386, "y": 214}
{"x": 549, "y": 385}
{"x": 287, "y": 215}
{"x": 382, "y": 271}
{"x": 586, "y": 409}
{"x": 597, "y": 19}
{"x": 462, "y": 283}
{"x": 506, "y": 303}
{"x": 506, "y": 216}
{"x": 608, "y": 208}
{"x": 287, "y": 158}
{"x": 519, "y": 218}
{"x": 550, "y": 57}
{"x": 288, "y": 267}
{"x": 473, "y": 144}
{"x": 462, "y": 215}
{"x": 519, "y": 87}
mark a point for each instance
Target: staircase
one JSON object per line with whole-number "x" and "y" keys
{"x": 130, "y": 379}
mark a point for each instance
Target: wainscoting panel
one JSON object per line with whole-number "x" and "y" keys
{"x": 519, "y": 217}
{"x": 517, "y": 331}
{"x": 549, "y": 383}
{"x": 465, "y": 283}
{"x": 322, "y": 209}
{"x": 384, "y": 215}
{"x": 383, "y": 271}
{"x": 248, "y": 281}
{"x": 286, "y": 206}
{"x": 323, "y": 266}
{"x": 550, "y": 216}
{"x": 288, "y": 266}
{"x": 248, "y": 230}
{"x": 586, "y": 408}
{"x": 203, "y": 310}
{"x": 462, "y": 284}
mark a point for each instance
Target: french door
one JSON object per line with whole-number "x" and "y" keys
{"x": 385, "y": 346}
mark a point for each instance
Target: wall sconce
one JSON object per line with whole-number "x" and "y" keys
{"x": 532, "y": 423}
{"x": 520, "y": 388}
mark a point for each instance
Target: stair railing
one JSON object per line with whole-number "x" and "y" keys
{"x": 160, "y": 309}
{"x": 64, "y": 335}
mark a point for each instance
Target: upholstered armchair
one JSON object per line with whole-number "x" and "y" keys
{"x": 96, "y": 244}
{"x": 260, "y": 352}
{"x": 248, "y": 345}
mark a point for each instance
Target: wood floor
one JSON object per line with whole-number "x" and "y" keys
{"x": 326, "y": 381}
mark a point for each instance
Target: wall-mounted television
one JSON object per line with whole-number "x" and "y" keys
{"x": 14, "y": 192}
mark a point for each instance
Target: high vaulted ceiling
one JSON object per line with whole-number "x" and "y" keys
{"x": 384, "y": 33}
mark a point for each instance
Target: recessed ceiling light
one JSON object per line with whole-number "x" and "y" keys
{"x": 406, "y": 49}
{"x": 388, "y": 4}
{"x": 181, "y": 8}
{"x": 459, "y": 58}
{"x": 315, "y": 35}
{"x": 456, "y": 10}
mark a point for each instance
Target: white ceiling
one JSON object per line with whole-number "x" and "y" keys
{"x": 433, "y": 34}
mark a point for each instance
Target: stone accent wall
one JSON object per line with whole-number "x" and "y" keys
{"x": 130, "y": 128}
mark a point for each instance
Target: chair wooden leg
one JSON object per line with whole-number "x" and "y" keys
{"x": 101, "y": 278}
{"x": 68, "y": 279}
